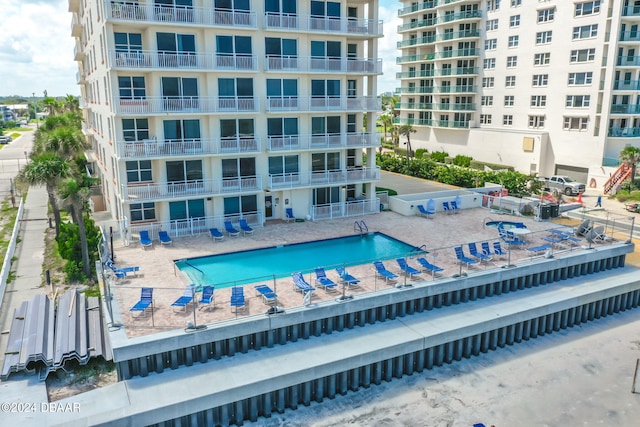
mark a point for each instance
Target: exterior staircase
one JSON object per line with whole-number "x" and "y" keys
{"x": 619, "y": 176}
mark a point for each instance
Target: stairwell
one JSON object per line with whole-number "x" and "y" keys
{"x": 618, "y": 177}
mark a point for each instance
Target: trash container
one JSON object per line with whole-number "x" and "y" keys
{"x": 555, "y": 210}
{"x": 545, "y": 211}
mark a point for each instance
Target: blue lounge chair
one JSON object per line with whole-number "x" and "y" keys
{"x": 237, "y": 298}
{"x": 424, "y": 211}
{"x": 383, "y": 272}
{"x": 473, "y": 250}
{"x": 497, "y": 249}
{"x": 185, "y": 299}
{"x": 146, "y": 301}
{"x": 145, "y": 240}
{"x": 122, "y": 272}
{"x": 323, "y": 281}
{"x": 216, "y": 234}
{"x": 231, "y": 231}
{"x": 300, "y": 284}
{"x": 429, "y": 267}
{"x": 346, "y": 278}
{"x": 510, "y": 238}
{"x": 462, "y": 258}
{"x": 164, "y": 237}
{"x": 267, "y": 294}
{"x": 406, "y": 268}
{"x": 454, "y": 206}
{"x": 446, "y": 207}
{"x": 208, "y": 298}
{"x": 244, "y": 226}
{"x": 289, "y": 215}
{"x": 537, "y": 249}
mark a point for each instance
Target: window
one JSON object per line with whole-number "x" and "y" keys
{"x": 546, "y": 15}
{"x": 321, "y": 9}
{"x": 139, "y": 171}
{"x": 234, "y": 129}
{"x": 507, "y": 120}
{"x": 325, "y": 88}
{"x": 321, "y": 162}
{"x": 541, "y": 59}
{"x": 229, "y": 89}
{"x": 575, "y": 123}
{"x": 323, "y": 126}
{"x": 587, "y": 8}
{"x": 583, "y": 55}
{"x": 485, "y": 119}
{"x": 487, "y": 82}
{"x": 578, "y": 101}
{"x": 224, "y": 5}
{"x": 229, "y": 47}
{"x": 514, "y": 41}
{"x": 135, "y": 129}
{"x": 326, "y": 49}
{"x": 516, "y": 3}
{"x": 538, "y": 101}
{"x": 128, "y": 42}
{"x": 280, "y": 6}
{"x": 490, "y": 44}
{"x": 184, "y": 170}
{"x": 585, "y": 32}
{"x": 185, "y": 209}
{"x": 577, "y": 79}
{"x": 514, "y": 21}
{"x": 176, "y": 87}
{"x": 491, "y": 25}
{"x": 326, "y": 195}
{"x": 512, "y": 61}
{"x": 543, "y": 37}
{"x": 174, "y": 43}
{"x": 233, "y": 206}
{"x": 509, "y": 100}
{"x": 131, "y": 87}
{"x": 536, "y": 122}
{"x": 282, "y": 126}
{"x": 510, "y": 81}
{"x": 279, "y": 165}
{"x": 232, "y": 169}
{"x": 493, "y": 5}
{"x": 486, "y": 101}
{"x": 143, "y": 211}
{"x": 489, "y": 63}
{"x": 540, "y": 80}
{"x": 181, "y": 130}
{"x": 283, "y": 89}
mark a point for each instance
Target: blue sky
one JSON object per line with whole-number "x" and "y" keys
{"x": 36, "y": 48}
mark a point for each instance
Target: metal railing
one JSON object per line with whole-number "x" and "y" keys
{"x": 183, "y": 60}
{"x": 332, "y": 177}
{"x": 338, "y": 140}
{"x": 324, "y": 24}
{"x": 198, "y": 188}
{"x": 170, "y": 148}
{"x": 186, "y": 104}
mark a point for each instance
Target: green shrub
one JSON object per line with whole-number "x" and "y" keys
{"x": 463, "y": 161}
{"x": 420, "y": 152}
{"x": 476, "y": 164}
{"x": 439, "y": 156}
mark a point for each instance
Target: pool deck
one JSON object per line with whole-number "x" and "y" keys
{"x": 438, "y": 234}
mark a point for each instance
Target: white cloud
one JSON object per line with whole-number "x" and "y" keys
{"x": 36, "y": 52}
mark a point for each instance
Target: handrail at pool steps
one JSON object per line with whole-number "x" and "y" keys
{"x": 361, "y": 227}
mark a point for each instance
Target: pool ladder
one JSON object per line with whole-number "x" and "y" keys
{"x": 360, "y": 227}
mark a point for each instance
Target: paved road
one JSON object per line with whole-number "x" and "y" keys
{"x": 13, "y": 159}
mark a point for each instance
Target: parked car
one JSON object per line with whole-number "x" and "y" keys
{"x": 564, "y": 184}
{"x": 5, "y": 139}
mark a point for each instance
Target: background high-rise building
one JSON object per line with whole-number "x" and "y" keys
{"x": 547, "y": 86}
{"x": 202, "y": 111}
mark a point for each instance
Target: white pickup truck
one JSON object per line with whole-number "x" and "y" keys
{"x": 565, "y": 185}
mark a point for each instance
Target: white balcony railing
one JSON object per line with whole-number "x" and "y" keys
{"x": 180, "y": 14}
{"x": 332, "y": 177}
{"x": 169, "y": 148}
{"x": 185, "y": 104}
{"x": 306, "y": 23}
{"x": 171, "y": 190}
{"x": 149, "y": 59}
{"x": 309, "y": 142}
{"x": 322, "y": 103}
{"x": 345, "y": 209}
{"x": 323, "y": 64}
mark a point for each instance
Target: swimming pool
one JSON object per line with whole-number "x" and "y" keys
{"x": 505, "y": 224}
{"x": 261, "y": 264}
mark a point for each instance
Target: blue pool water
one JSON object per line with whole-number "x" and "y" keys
{"x": 505, "y": 224}
{"x": 261, "y": 264}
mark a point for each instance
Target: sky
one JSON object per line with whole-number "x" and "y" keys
{"x": 36, "y": 48}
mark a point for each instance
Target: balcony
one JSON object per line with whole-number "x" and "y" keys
{"x": 619, "y": 132}
{"x": 626, "y": 85}
{"x": 117, "y": 11}
{"x": 76, "y": 26}
{"x": 197, "y": 188}
{"x": 415, "y": 89}
{"x": 455, "y": 107}
{"x": 150, "y": 59}
{"x": 320, "y": 142}
{"x": 413, "y": 121}
{"x": 81, "y": 78}
{"x": 415, "y": 106}
{"x": 321, "y": 24}
{"x": 322, "y": 103}
{"x": 74, "y": 6}
{"x": 186, "y": 104}
{"x": 417, "y": 24}
{"x": 457, "y": 89}
{"x": 322, "y": 178}
{"x": 630, "y": 36}
{"x": 631, "y": 11}
{"x": 451, "y": 17}
{"x": 629, "y": 61}
{"x": 78, "y": 52}
{"x": 323, "y": 65}
{"x": 418, "y": 7}
{"x": 451, "y": 124}
{"x": 152, "y": 148}
{"x": 415, "y": 74}
{"x": 625, "y": 109}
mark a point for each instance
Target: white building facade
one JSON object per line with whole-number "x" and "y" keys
{"x": 547, "y": 86}
{"x": 205, "y": 111}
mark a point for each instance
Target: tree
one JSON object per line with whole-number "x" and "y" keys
{"x": 67, "y": 141}
{"x": 71, "y": 103}
{"x": 387, "y": 122}
{"x": 47, "y": 169}
{"x": 631, "y": 156}
{"x": 75, "y": 193}
{"x": 406, "y": 130}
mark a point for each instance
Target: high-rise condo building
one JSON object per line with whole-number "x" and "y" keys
{"x": 205, "y": 111}
{"x": 547, "y": 86}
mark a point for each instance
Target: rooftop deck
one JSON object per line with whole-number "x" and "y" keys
{"x": 439, "y": 235}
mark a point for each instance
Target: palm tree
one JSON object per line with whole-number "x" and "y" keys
{"x": 387, "y": 122}
{"x": 407, "y": 130}
{"x": 68, "y": 141}
{"x": 48, "y": 169}
{"x": 71, "y": 103}
{"x": 51, "y": 104}
{"x": 631, "y": 156}
{"x": 75, "y": 194}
